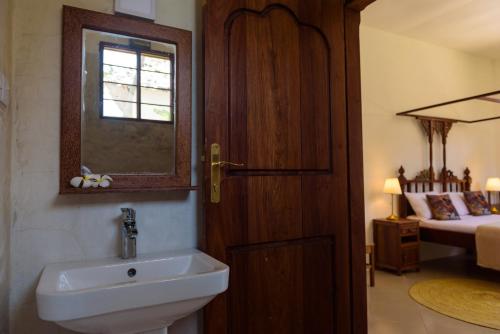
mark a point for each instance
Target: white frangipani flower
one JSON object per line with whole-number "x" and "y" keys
{"x": 105, "y": 181}
{"x": 91, "y": 181}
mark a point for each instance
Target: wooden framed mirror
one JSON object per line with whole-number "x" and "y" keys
{"x": 126, "y": 103}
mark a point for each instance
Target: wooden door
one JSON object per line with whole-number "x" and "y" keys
{"x": 275, "y": 101}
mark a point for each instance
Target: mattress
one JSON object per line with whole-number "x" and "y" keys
{"x": 467, "y": 224}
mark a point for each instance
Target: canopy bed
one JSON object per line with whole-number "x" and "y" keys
{"x": 456, "y": 111}
{"x": 431, "y": 231}
{"x": 480, "y": 234}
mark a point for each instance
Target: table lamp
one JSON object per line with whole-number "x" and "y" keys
{"x": 392, "y": 187}
{"x": 492, "y": 185}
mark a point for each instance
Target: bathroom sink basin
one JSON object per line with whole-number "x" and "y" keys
{"x": 146, "y": 294}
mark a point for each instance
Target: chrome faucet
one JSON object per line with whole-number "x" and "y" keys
{"x": 129, "y": 234}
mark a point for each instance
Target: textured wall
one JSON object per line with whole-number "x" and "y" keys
{"x": 47, "y": 227}
{"x": 5, "y": 160}
{"x": 400, "y": 73}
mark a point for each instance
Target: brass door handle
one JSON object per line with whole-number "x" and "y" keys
{"x": 215, "y": 165}
{"x": 226, "y": 163}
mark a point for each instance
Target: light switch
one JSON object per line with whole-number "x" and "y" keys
{"x": 140, "y": 8}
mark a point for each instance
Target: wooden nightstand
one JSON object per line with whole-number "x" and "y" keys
{"x": 397, "y": 244}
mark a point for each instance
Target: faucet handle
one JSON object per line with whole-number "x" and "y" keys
{"x": 128, "y": 214}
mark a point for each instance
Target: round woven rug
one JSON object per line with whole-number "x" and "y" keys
{"x": 473, "y": 301}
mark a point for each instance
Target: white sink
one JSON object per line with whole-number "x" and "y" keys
{"x": 100, "y": 297}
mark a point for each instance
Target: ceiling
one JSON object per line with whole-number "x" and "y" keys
{"x": 472, "y": 26}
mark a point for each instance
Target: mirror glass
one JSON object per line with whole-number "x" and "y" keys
{"x": 128, "y": 105}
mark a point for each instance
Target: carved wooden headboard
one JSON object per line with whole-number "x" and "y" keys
{"x": 423, "y": 182}
{"x": 426, "y": 180}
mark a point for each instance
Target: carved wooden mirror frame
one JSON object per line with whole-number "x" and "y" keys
{"x": 74, "y": 21}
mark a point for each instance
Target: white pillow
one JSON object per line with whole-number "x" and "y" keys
{"x": 418, "y": 202}
{"x": 458, "y": 201}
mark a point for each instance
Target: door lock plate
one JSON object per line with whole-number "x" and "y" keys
{"x": 215, "y": 166}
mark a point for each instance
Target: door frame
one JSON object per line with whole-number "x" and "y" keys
{"x": 352, "y": 20}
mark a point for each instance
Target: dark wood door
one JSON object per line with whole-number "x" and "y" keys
{"x": 275, "y": 101}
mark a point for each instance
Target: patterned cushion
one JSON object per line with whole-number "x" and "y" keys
{"x": 477, "y": 203}
{"x": 442, "y": 208}
{"x": 419, "y": 204}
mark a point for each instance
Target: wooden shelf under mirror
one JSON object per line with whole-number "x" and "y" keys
{"x": 126, "y": 103}
{"x": 126, "y": 190}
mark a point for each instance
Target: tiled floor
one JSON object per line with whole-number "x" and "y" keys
{"x": 392, "y": 311}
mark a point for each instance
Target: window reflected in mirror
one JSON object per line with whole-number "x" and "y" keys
{"x": 128, "y": 111}
{"x": 136, "y": 83}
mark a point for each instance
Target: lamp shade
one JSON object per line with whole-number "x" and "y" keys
{"x": 493, "y": 184}
{"x": 392, "y": 186}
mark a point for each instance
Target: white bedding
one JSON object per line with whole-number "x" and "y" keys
{"x": 485, "y": 228}
{"x": 467, "y": 224}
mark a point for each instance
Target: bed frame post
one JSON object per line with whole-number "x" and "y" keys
{"x": 402, "y": 205}
{"x": 430, "y": 128}
{"x": 467, "y": 179}
{"x": 443, "y": 129}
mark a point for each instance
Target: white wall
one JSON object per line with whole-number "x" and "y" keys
{"x": 47, "y": 227}
{"x": 5, "y": 66}
{"x": 400, "y": 73}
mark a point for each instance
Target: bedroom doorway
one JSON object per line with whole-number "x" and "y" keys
{"x": 443, "y": 55}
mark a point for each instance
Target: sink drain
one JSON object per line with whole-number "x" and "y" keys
{"x": 131, "y": 272}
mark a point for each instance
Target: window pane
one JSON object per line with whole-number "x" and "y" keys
{"x": 156, "y": 113}
{"x": 120, "y": 92}
{"x": 119, "y": 109}
{"x": 120, "y": 58}
{"x": 119, "y": 75}
{"x": 155, "y": 63}
{"x": 156, "y": 96}
{"x": 155, "y": 80}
